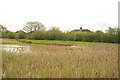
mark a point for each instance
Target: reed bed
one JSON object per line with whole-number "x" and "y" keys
{"x": 50, "y": 61}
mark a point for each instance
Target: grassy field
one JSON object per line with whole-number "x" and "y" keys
{"x": 9, "y": 41}
{"x": 14, "y": 41}
{"x": 65, "y": 42}
{"x": 50, "y": 61}
{"x": 0, "y": 64}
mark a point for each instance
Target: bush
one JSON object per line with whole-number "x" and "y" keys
{"x": 106, "y": 37}
{"x": 54, "y": 34}
{"x": 97, "y": 37}
{"x": 11, "y": 35}
{"x": 4, "y": 34}
{"x": 118, "y": 37}
{"x": 21, "y": 35}
{"x": 111, "y": 36}
{"x": 88, "y": 37}
{"x": 38, "y": 35}
{"x": 70, "y": 36}
{"x": 79, "y": 37}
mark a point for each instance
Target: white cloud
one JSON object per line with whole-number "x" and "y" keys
{"x": 65, "y": 14}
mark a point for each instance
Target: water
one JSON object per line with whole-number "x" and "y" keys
{"x": 15, "y": 48}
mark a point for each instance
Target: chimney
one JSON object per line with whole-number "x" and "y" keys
{"x": 80, "y": 28}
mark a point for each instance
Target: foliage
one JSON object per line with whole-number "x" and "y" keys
{"x": 54, "y": 34}
{"x": 112, "y": 30}
{"x": 20, "y": 34}
{"x": 11, "y": 35}
{"x": 38, "y": 35}
{"x": 79, "y": 36}
{"x": 112, "y": 35}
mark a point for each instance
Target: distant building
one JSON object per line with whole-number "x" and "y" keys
{"x": 81, "y": 30}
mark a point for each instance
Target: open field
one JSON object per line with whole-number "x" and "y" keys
{"x": 13, "y": 41}
{"x": 65, "y": 42}
{"x": 9, "y": 41}
{"x": 51, "y": 61}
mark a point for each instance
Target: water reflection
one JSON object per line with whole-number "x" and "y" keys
{"x": 15, "y": 48}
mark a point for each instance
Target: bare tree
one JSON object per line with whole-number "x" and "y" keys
{"x": 33, "y": 26}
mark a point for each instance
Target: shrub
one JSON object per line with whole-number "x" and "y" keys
{"x": 70, "y": 36}
{"x": 79, "y": 36}
{"x": 54, "y": 34}
{"x": 21, "y": 35}
{"x": 38, "y": 35}
{"x": 11, "y": 35}
{"x": 88, "y": 37}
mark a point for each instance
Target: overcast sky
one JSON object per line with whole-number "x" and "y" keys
{"x": 65, "y": 14}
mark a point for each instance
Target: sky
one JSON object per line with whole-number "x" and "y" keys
{"x": 64, "y": 14}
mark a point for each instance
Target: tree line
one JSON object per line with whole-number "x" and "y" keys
{"x": 37, "y": 31}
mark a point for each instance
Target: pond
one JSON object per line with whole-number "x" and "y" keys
{"x": 15, "y": 48}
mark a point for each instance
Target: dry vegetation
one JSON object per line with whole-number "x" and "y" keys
{"x": 49, "y": 61}
{"x": 0, "y": 65}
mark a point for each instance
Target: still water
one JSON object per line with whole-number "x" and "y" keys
{"x": 15, "y": 48}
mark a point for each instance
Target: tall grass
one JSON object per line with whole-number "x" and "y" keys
{"x": 85, "y": 61}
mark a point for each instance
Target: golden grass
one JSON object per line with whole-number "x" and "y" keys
{"x": 0, "y": 64}
{"x": 48, "y": 61}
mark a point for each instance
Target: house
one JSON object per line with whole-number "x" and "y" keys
{"x": 81, "y": 30}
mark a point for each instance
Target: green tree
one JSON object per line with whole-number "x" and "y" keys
{"x": 54, "y": 33}
{"x": 112, "y": 30}
{"x": 112, "y": 34}
{"x": 99, "y": 31}
{"x": 11, "y": 35}
{"x": 98, "y": 36}
{"x": 118, "y": 35}
{"x": 39, "y": 35}
{"x": 89, "y": 37}
{"x": 21, "y": 34}
{"x": 79, "y": 36}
